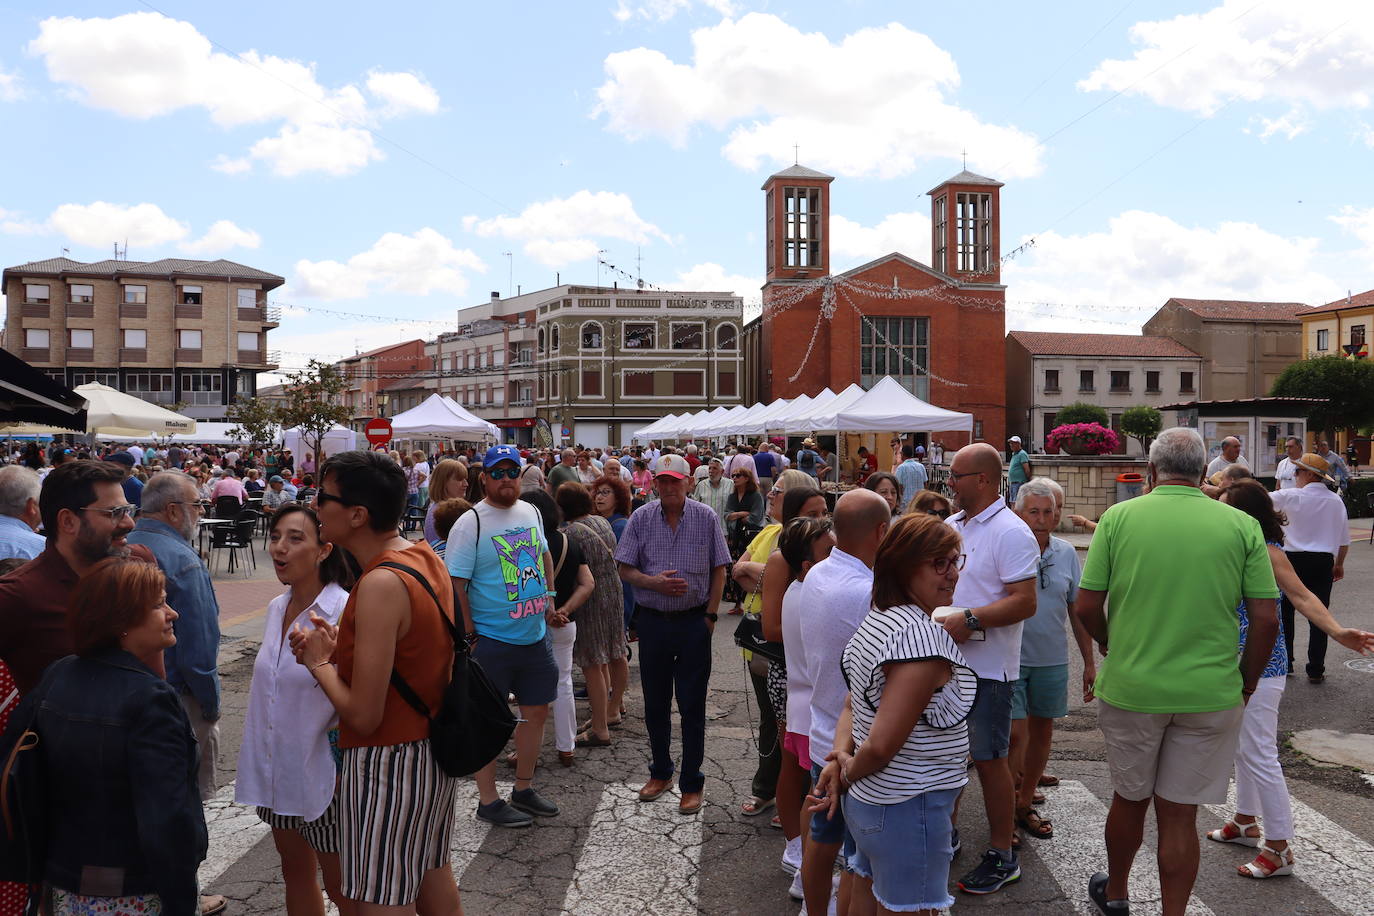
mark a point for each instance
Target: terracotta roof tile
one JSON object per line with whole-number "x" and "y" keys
{"x": 1241, "y": 310}
{"x": 167, "y": 267}
{"x": 1049, "y": 343}
{"x": 1362, "y": 300}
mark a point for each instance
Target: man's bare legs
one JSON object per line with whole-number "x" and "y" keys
{"x": 1178, "y": 853}
{"x": 1124, "y": 834}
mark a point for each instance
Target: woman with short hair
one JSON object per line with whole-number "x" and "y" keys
{"x": 449, "y": 481}
{"x": 886, "y": 486}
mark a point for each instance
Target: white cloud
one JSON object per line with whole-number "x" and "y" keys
{"x": 221, "y": 237}
{"x": 1320, "y": 53}
{"x": 875, "y": 103}
{"x": 12, "y": 222}
{"x": 663, "y": 10}
{"x": 11, "y": 87}
{"x": 565, "y": 229}
{"x": 421, "y": 263}
{"x": 101, "y": 224}
{"x": 852, "y": 243}
{"x": 143, "y": 65}
{"x": 1359, "y": 223}
{"x": 1289, "y": 125}
{"x": 1112, "y": 281}
{"x": 231, "y": 165}
{"x": 710, "y": 277}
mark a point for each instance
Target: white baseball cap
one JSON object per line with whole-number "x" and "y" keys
{"x": 1016, "y": 439}
{"x": 673, "y": 466}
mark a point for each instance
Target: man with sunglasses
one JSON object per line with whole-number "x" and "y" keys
{"x": 85, "y": 519}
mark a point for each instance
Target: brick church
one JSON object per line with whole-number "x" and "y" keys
{"x": 938, "y": 329}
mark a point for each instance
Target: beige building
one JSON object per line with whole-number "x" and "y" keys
{"x": 488, "y": 364}
{"x": 172, "y": 331}
{"x": 1340, "y": 328}
{"x": 1048, "y": 371}
{"x": 1243, "y": 345}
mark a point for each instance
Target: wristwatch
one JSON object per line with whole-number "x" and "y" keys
{"x": 970, "y": 621}
{"x": 713, "y": 617}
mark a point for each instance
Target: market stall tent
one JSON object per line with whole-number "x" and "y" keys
{"x": 889, "y": 407}
{"x": 441, "y": 418}
{"x": 336, "y": 440}
{"x": 653, "y": 429}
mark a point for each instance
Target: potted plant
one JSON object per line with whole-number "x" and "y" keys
{"x": 1083, "y": 439}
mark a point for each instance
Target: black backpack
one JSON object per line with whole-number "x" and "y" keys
{"x": 474, "y": 722}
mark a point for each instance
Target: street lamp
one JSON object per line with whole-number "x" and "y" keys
{"x": 381, "y": 404}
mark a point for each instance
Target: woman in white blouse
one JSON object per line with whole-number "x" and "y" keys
{"x": 902, "y": 741}
{"x": 287, "y": 765}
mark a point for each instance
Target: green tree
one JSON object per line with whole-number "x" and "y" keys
{"x": 1080, "y": 412}
{"x": 313, "y": 403}
{"x": 255, "y": 421}
{"x": 1141, "y": 422}
{"x": 1347, "y": 385}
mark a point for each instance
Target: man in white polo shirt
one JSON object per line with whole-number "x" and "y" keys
{"x": 997, "y": 586}
{"x": 1315, "y": 541}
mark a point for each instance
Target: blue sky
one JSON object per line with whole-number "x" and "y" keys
{"x": 385, "y": 157}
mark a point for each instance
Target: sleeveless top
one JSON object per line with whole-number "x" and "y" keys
{"x": 1277, "y": 666}
{"x": 424, "y": 656}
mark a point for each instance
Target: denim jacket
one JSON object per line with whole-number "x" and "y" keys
{"x": 125, "y": 815}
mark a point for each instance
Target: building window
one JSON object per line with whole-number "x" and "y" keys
{"x": 591, "y": 383}
{"x": 543, "y": 387}
{"x": 553, "y": 342}
{"x": 974, "y": 230}
{"x": 36, "y": 338}
{"x": 248, "y": 340}
{"x": 725, "y": 385}
{"x": 80, "y": 339}
{"x": 1185, "y": 382}
{"x": 150, "y": 386}
{"x": 553, "y": 384}
{"x": 191, "y": 295}
{"x": 1121, "y": 381}
{"x": 135, "y": 339}
{"x": 1357, "y": 334}
{"x": 687, "y": 384}
{"x": 188, "y": 340}
{"x": 248, "y": 298}
{"x": 82, "y": 292}
{"x": 135, "y": 295}
{"x": 1051, "y": 380}
{"x": 1086, "y": 381}
{"x": 542, "y": 341}
{"x": 899, "y": 347}
{"x": 689, "y": 336}
{"x": 36, "y": 293}
{"x": 802, "y": 246}
{"x": 445, "y": 365}
{"x": 639, "y": 384}
{"x": 727, "y": 337}
{"x": 940, "y": 228}
{"x": 1323, "y": 339}
{"x": 640, "y": 336}
{"x": 591, "y": 336}
{"x": 89, "y": 376}
{"x": 1050, "y": 424}
{"x": 202, "y": 389}
{"x": 1152, "y": 381}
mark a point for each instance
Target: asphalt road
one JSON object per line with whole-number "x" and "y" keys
{"x": 608, "y": 854}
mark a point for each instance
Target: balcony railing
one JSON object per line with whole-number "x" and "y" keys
{"x": 133, "y": 310}
{"x": 155, "y": 397}
{"x": 80, "y": 355}
{"x": 189, "y": 311}
{"x": 34, "y": 354}
{"x": 203, "y": 398}
{"x": 187, "y": 355}
{"x": 80, "y": 310}
{"x": 35, "y": 310}
{"x": 128, "y": 355}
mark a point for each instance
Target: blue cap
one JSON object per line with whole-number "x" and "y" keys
{"x": 498, "y": 453}
{"x": 123, "y": 458}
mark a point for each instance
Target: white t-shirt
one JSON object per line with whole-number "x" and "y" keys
{"x": 934, "y": 755}
{"x": 1219, "y": 463}
{"x": 835, "y": 599}
{"x": 1317, "y": 520}
{"x": 798, "y": 684}
{"x": 1287, "y": 474}
{"x": 999, "y": 549}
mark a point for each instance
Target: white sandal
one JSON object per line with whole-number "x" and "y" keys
{"x": 1231, "y": 832}
{"x": 1263, "y": 868}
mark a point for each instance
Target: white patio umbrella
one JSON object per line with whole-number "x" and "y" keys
{"x": 114, "y": 413}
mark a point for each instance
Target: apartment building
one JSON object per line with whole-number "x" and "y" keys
{"x": 1244, "y": 345}
{"x": 173, "y": 331}
{"x": 593, "y": 362}
{"x": 1339, "y": 328}
{"x": 372, "y": 375}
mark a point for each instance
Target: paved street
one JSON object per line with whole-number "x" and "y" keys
{"x": 609, "y": 854}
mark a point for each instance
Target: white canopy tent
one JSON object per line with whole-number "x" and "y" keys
{"x": 887, "y": 406}
{"x": 723, "y": 424}
{"x": 338, "y": 439}
{"x": 798, "y": 407}
{"x": 440, "y": 418}
{"x": 759, "y": 423}
{"x": 205, "y": 434}
{"x": 822, "y": 417}
{"x": 687, "y": 424}
{"x": 653, "y": 430}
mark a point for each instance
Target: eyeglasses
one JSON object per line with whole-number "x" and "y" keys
{"x": 604, "y": 492}
{"x": 776, "y": 491}
{"x": 944, "y": 564}
{"x": 938, "y": 513}
{"x": 323, "y": 499}
{"x": 1044, "y": 565}
{"x": 196, "y": 504}
{"x": 503, "y": 473}
{"x": 116, "y": 514}
{"x": 954, "y": 476}
{"x": 740, "y": 474}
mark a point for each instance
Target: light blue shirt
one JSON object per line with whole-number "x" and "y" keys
{"x": 18, "y": 539}
{"x": 1016, "y": 473}
{"x": 501, "y": 554}
{"x": 911, "y": 476}
{"x": 1044, "y": 637}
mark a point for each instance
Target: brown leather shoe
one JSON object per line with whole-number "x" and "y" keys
{"x": 653, "y": 789}
{"x": 690, "y": 804}
{"x": 567, "y": 758}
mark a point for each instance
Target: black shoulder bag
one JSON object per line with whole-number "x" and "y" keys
{"x": 473, "y": 723}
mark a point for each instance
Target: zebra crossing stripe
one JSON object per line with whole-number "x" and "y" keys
{"x": 1077, "y": 851}
{"x": 1328, "y": 857}
{"x": 234, "y": 830}
{"x": 639, "y": 857}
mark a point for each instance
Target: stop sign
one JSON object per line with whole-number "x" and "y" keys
{"x": 378, "y": 430}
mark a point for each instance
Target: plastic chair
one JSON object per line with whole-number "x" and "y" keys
{"x": 227, "y": 507}
{"x": 236, "y": 537}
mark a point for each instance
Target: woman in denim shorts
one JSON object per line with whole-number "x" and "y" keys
{"x": 899, "y": 756}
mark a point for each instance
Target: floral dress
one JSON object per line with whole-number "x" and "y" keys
{"x": 601, "y": 620}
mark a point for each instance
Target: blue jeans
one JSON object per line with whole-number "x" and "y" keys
{"x": 675, "y": 660}
{"x": 904, "y": 848}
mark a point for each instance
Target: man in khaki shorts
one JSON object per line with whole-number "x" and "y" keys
{"x": 1176, "y": 565}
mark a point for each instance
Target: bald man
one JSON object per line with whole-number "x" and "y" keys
{"x": 835, "y": 599}
{"x": 564, "y": 471}
{"x": 997, "y": 590}
{"x": 1230, "y": 454}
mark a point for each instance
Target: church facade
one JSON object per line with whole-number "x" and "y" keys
{"x": 936, "y": 328}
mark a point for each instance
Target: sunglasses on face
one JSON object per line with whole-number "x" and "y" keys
{"x": 503, "y": 473}
{"x": 741, "y": 474}
{"x": 323, "y": 499}
{"x": 115, "y": 514}
{"x": 938, "y": 513}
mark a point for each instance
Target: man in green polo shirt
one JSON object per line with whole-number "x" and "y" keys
{"x": 1176, "y": 565}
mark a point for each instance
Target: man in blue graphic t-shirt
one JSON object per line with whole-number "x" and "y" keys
{"x": 501, "y": 570}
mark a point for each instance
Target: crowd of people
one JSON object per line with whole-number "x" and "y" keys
{"x": 906, "y": 637}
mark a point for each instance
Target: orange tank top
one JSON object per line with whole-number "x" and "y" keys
{"x": 424, "y": 656}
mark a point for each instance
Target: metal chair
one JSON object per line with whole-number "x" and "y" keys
{"x": 413, "y": 519}
{"x": 236, "y": 537}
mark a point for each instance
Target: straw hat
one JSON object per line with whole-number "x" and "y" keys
{"x": 1310, "y": 461}
{"x": 808, "y": 443}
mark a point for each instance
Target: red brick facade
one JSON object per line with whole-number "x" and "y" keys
{"x": 963, "y": 308}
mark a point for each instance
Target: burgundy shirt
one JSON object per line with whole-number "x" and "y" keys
{"x": 33, "y": 614}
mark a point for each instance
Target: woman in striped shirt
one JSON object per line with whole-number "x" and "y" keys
{"x": 902, "y": 741}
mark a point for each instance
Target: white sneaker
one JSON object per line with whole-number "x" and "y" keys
{"x": 792, "y": 856}
{"x": 834, "y": 897}
{"x": 795, "y": 891}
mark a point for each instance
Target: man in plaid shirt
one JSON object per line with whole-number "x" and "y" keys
{"x": 674, "y": 554}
